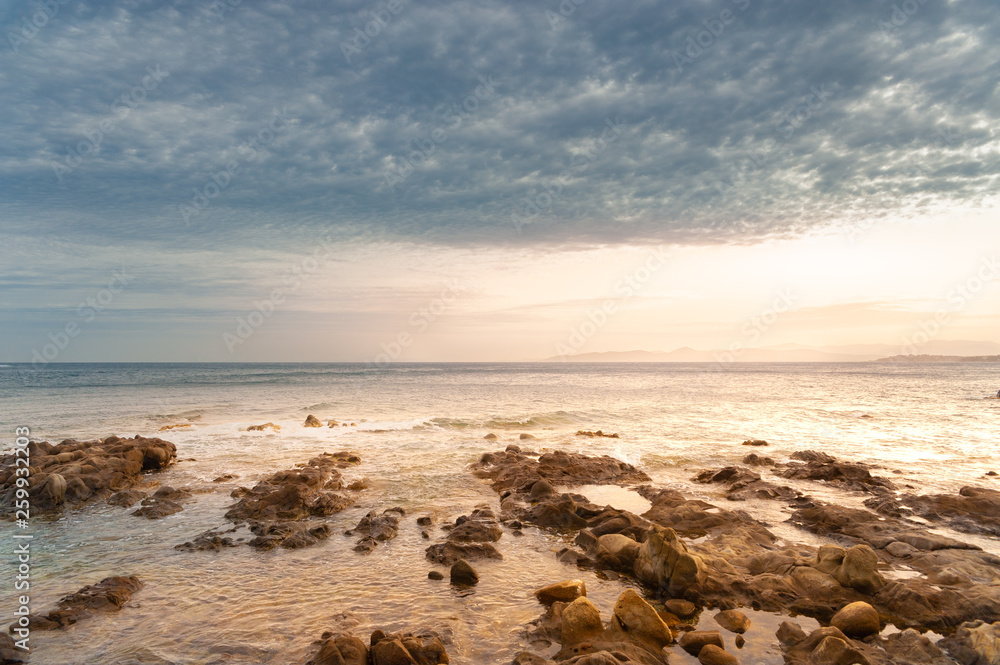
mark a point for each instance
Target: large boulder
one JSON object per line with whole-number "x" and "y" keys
{"x": 580, "y": 621}
{"x": 857, "y": 620}
{"x": 617, "y": 552}
{"x": 639, "y": 621}
{"x": 664, "y": 563}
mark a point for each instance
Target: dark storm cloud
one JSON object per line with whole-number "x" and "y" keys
{"x": 249, "y": 123}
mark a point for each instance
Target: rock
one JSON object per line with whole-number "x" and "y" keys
{"x": 295, "y": 494}
{"x": 528, "y": 658}
{"x": 225, "y": 478}
{"x": 541, "y": 490}
{"x": 857, "y": 620}
{"x": 406, "y": 649}
{"x": 358, "y": 485}
{"x": 376, "y": 528}
{"x": 525, "y": 437}
{"x": 974, "y": 643}
{"x": 108, "y": 595}
{"x": 711, "y": 654}
{"x": 664, "y": 563}
{"x": 126, "y": 498}
{"x": 695, "y": 640}
{"x": 424, "y": 521}
{"x": 972, "y": 510}
{"x": 580, "y": 621}
{"x": 755, "y": 442}
{"x": 812, "y": 456}
{"x": 463, "y": 574}
{"x": 733, "y": 620}
{"x": 448, "y": 553}
{"x": 564, "y": 592}
{"x": 617, "y": 552}
{"x": 640, "y": 621}
{"x": 598, "y": 434}
{"x": 341, "y": 650}
{"x": 270, "y": 426}
{"x": 790, "y": 634}
{"x": 859, "y": 570}
{"x": 312, "y": 421}
{"x": 682, "y": 608}
{"x": 435, "y": 575}
{"x": 164, "y": 501}
{"x": 848, "y": 475}
{"x": 9, "y": 652}
{"x": 514, "y": 470}
{"x": 170, "y": 427}
{"x": 72, "y": 473}
{"x": 479, "y": 527}
{"x": 210, "y": 540}
{"x": 490, "y": 437}
{"x": 753, "y": 459}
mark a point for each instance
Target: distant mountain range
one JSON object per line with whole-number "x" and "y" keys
{"x": 923, "y": 358}
{"x": 936, "y": 351}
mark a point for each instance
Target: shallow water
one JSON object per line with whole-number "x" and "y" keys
{"x": 418, "y": 428}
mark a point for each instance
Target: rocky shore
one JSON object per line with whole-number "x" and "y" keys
{"x": 884, "y": 588}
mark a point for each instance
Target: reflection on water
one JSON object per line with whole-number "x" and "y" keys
{"x": 418, "y": 427}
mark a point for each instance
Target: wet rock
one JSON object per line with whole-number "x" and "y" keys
{"x": 514, "y": 470}
{"x": 211, "y": 540}
{"x": 528, "y": 658}
{"x": 463, "y": 574}
{"x": 164, "y": 501}
{"x": 341, "y": 650}
{"x": 126, "y": 498}
{"x": 597, "y": 434}
{"x": 225, "y": 478}
{"x": 564, "y": 592}
{"x": 755, "y": 442}
{"x": 435, "y": 575}
{"x": 580, "y": 621}
{"x": 406, "y": 649}
{"x": 358, "y": 485}
{"x": 857, "y": 620}
{"x": 449, "y": 552}
{"x": 714, "y": 655}
{"x": 424, "y": 521}
{"x": 847, "y": 475}
{"x": 166, "y": 428}
{"x": 490, "y": 437}
{"x": 298, "y": 493}
{"x": 541, "y": 490}
{"x": 753, "y": 459}
{"x": 527, "y": 437}
{"x": 9, "y": 652}
{"x": 682, "y": 608}
{"x": 972, "y": 510}
{"x": 617, "y": 552}
{"x": 742, "y": 484}
{"x": 312, "y": 421}
{"x": 639, "y": 621}
{"x": 289, "y": 535}
{"x": 695, "y": 640}
{"x": 664, "y": 563}
{"x": 376, "y": 528}
{"x": 825, "y": 646}
{"x": 72, "y": 473}
{"x": 974, "y": 643}
{"x": 733, "y": 620}
{"x": 108, "y": 595}
{"x": 480, "y": 526}
{"x": 270, "y": 426}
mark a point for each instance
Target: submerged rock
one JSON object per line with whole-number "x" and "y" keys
{"x": 463, "y": 574}
{"x": 261, "y": 428}
{"x": 164, "y": 501}
{"x": 108, "y": 595}
{"x": 72, "y": 473}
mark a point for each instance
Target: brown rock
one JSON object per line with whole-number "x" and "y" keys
{"x": 108, "y": 595}
{"x": 312, "y": 421}
{"x": 640, "y": 621}
{"x": 857, "y": 620}
{"x": 463, "y": 574}
{"x": 682, "y": 608}
{"x": 261, "y": 428}
{"x": 694, "y": 641}
{"x": 711, "y": 654}
{"x": 564, "y": 592}
{"x": 733, "y": 620}
{"x": 580, "y": 621}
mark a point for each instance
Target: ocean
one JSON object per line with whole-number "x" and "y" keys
{"x": 418, "y": 427}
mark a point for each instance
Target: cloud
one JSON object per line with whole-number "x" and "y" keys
{"x": 780, "y": 119}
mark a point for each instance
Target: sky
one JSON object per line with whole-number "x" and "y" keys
{"x": 231, "y": 180}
